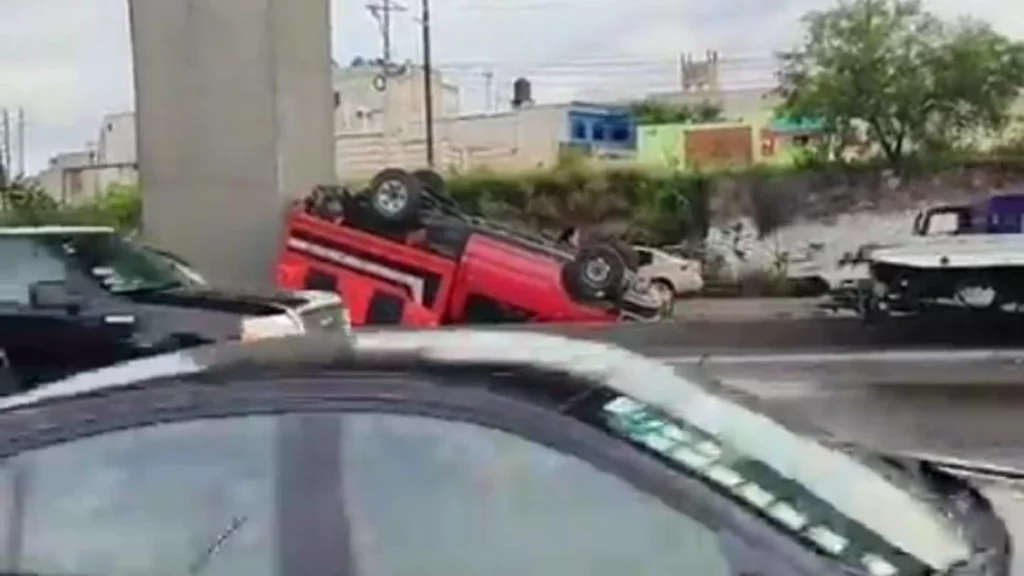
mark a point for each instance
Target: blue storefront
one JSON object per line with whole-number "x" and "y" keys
{"x": 601, "y": 129}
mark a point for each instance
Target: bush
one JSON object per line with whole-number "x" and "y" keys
{"x": 657, "y": 206}
{"x": 120, "y": 206}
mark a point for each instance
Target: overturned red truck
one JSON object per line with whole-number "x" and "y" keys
{"x": 403, "y": 253}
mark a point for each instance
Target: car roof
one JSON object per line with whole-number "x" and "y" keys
{"x": 48, "y": 230}
{"x": 587, "y": 362}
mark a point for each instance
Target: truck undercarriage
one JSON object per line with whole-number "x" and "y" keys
{"x": 899, "y": 290}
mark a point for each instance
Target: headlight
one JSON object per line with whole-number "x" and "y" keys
{"x": 262, "y": 327}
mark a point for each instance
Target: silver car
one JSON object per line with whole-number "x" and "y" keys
{"x": 460, "y": 453}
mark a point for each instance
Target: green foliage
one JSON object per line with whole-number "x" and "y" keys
{"x": 657, "y": 206}
{"x": 892, "y": 74}
{"x": 120, "y": 206}
{"x": 655, "y": 112}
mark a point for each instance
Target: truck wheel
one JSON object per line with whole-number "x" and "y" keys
{"x": 629, "y": 256}
{"x": 395, "y": 196}
{"x": 433, "y": 185}
{"x": 431, "y": 181}
{"x": 595, "y": 274}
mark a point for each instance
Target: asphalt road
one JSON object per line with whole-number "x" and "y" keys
{"x": 749, "y": 330}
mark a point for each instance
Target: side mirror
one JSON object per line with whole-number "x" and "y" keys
{"x": 54, "y": 296}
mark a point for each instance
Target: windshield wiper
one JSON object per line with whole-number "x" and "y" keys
{"x": 199, "y": 564}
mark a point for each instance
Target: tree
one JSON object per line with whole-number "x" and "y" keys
{"x": 890, "y": 73}
{"x": 655, "y": 112}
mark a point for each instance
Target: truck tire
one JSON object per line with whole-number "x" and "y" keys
{"x": 396, "y": 197}
{"x": 431, "y": 181}
{"x": 596, "y": 273}
{"x": 435, "y": 187}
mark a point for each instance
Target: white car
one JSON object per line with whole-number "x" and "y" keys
{"x": 670, "y": 275}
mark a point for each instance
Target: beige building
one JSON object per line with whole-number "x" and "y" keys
{"x": 526, "y": 138}
{"x": 368, "y": 102}
{"x": 117, "y": 140}
{"x": 736, "y": 104}
{"x": 82, "y": 176}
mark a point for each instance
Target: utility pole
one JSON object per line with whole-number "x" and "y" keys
{"x": 489, "y": 90}
{"x": 428, "y": 85}
{"x": 381, "y": 12}
{"x": 6, "y": 159}
{"x": 21, "y": 142}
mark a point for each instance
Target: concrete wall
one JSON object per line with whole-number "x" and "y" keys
{"x": 53, "y": 181}
{"x": 234, "y": 108}
{"x": 78, "y": 177}
{"x": 828, "y": 214}
{"x": 361, "y": 107}
{"x": 528, "y": 138}
{"x": 117, "y": 142}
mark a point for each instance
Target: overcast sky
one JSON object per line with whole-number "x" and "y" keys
{"x": 67, "y": 62}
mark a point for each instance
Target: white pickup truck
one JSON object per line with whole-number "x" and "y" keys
{"x": 976, "y": 260}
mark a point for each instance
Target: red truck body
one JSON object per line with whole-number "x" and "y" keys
{"x": 389, "y": 280}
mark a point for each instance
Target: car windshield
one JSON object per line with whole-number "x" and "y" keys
{"x": 832, "y": 498}
{"x": 118, "y": 265}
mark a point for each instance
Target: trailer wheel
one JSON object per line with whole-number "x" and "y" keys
{"x": 396, "y": 196}
{"x": 596, "y": 273}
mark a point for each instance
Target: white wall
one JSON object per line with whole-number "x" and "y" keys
{"x": 399, "y": 109}
{"x": 117, "y": 139}
{"x": 508, "y": 141}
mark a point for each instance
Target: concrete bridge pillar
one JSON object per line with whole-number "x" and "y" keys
{"x": 234, "y": 108}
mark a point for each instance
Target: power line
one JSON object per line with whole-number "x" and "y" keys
{"x": 611, "y": 63}
{"x": 532, "y": 5}
{"x": 381, "y": 12}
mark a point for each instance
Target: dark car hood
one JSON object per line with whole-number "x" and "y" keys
{"x": 250, "y": 303}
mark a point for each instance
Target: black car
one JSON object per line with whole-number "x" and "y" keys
{"x": 461, "y": 453}
{"x": 75, "y": 298}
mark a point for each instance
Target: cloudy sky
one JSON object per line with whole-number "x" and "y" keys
{"x": 67, "y": 62}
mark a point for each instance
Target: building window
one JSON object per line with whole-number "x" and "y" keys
{"x": 620, "y": 134}
{"x": 598, "y": 132}
{"x": 579, "y": 130}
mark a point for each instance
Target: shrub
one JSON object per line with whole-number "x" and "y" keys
{"x": 120, "y": 206}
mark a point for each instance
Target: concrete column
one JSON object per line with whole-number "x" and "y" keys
{"x": 235, "y": 118}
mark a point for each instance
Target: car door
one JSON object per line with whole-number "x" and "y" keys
{"x": 32, "y": 340}
{"x": 44, "y": 344}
